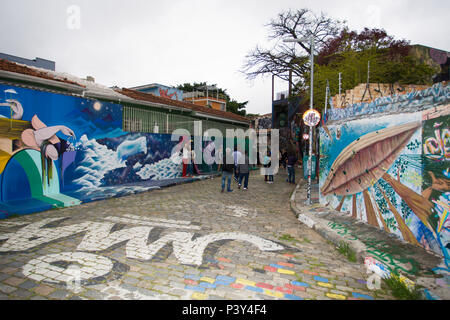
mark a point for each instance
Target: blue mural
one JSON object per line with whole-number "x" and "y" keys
{"x": 60, "y": 150}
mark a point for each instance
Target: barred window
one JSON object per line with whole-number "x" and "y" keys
{"x": 150, "y": 121}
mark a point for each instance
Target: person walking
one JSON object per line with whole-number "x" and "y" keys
{"x": 227, "y": 171}
{"x": 291, "y": 161}
{"x": 209, "y": 152}
{"x": 283, "y": 158}
{"x": 244, "y": 172}
{"x": 185, "y": 157}
{"x": 220, "y": 163}
{"x": 267, "y": 164}
{"x": 236, "y": 156}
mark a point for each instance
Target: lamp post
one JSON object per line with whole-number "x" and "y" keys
{"x": 311, "y": 39}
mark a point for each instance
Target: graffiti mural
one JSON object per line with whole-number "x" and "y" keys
{"x": 436, "y": 178}
{"x": 187, "y": 247}
{"x": 393, "y": 173}
{"x": 60, "y": 150}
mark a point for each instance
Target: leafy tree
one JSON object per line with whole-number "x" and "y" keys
{"x": 350, "y": 52}
{"x": 237, "y": 107}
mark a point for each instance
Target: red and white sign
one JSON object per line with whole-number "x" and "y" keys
{"x": 311, "y": 118}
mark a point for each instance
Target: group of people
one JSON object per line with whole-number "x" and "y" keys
{"x": 236, "y": 165}
{"x": 239, "y": 168}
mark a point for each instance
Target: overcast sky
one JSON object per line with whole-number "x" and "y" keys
{"x": 133, "y": 42}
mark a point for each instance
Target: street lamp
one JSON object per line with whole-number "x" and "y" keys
{"x": 311, "y": 39}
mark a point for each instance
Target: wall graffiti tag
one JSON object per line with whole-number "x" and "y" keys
{"x": 438, "y": 147}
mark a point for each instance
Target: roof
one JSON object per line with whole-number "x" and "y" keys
{"x": 150, "y": 86}
{"x": 138, "y": 95}
{"x": 9, "y": 66}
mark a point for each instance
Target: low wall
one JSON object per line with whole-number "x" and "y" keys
{"x": 387, "y": 163}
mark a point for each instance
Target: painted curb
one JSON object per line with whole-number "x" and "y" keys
{"x": 320, "y": 225}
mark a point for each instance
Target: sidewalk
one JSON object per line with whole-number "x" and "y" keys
{"x": 413, "y": 262}
{"x": 29, "y": 206}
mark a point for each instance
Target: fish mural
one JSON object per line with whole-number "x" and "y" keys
{"x": 367, "y": 159}
{"x": 390, "y": 172}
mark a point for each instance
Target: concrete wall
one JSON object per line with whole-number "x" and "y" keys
{"x": 387, "y": 163}
{"x": 101, "y": 161}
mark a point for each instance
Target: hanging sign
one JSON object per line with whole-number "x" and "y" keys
{"x": 311, "y": 118}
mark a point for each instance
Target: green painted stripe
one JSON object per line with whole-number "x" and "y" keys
{"x": 30, "y": 162}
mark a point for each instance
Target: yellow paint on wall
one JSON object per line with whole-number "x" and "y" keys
{"x": 246, "y": 282}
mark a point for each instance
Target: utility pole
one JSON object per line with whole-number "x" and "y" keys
{"x": 311, "y": 39}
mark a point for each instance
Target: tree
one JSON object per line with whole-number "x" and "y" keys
{"x": 350, "y": 52}
{"x": 283, "y": 58}
{"x": 237, "y": 107}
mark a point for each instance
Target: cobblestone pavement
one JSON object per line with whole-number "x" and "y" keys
{"x": 184, "y": 242}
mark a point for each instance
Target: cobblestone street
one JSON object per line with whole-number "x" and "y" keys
{"x": 184, "y": 242}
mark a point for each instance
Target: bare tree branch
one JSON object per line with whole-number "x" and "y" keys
{"x": 296, "y": 24}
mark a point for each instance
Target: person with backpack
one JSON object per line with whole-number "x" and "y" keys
{"x": 227, "y": 171}
{"x": 244, "y": 172}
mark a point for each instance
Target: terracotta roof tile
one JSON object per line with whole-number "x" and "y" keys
{"x": 7, "y": 65}
{"x": 156, "y": 99}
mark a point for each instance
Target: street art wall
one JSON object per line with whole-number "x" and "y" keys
{"x": 387, "y": 163}
{"x": 60, "y": 150}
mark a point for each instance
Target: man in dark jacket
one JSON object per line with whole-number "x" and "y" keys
{"x": 291, "y": 161}
{"x": 227, "y": 171}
